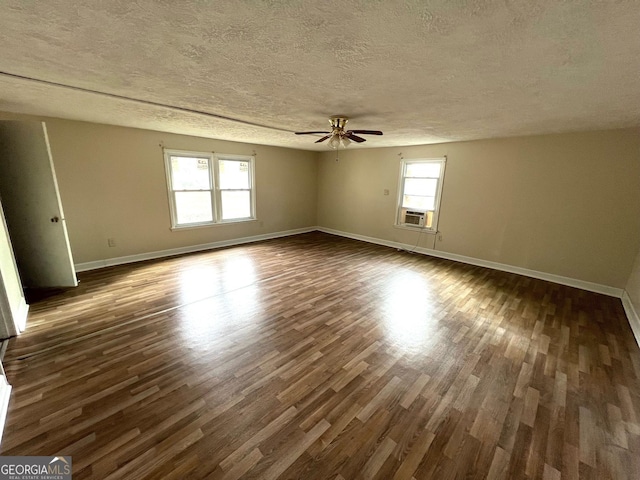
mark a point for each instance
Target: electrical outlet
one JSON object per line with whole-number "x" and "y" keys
{"x": 111, "y": 242}
{"x": 385, "y": 191}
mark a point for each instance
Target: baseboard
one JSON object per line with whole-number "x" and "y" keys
{"x": 5, "y": 395}
{"x": 109, "y": 262}
{"x": 632, "y": 315}
{"x": 571, "y": 282}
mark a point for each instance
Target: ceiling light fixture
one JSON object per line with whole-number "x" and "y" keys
{"x": 338, "y": 140}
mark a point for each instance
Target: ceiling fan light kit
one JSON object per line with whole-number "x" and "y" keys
{"x": 338, "y": 136}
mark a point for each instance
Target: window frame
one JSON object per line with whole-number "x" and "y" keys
{"x": 214, "y": 182}
{"x": 251, "y": 189}
{"x": 436, "y": 202}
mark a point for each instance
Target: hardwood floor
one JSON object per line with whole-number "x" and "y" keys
{"x": 317, "y": 357}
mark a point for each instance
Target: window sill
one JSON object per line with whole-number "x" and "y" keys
{"x": 429, "y": 231}
{"x": 208, "y": 225}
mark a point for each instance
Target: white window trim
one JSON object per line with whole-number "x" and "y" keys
{"x": 436, "y": 213}
{"x": 216, "y": 197}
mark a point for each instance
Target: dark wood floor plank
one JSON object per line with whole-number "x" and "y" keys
{"x": 319, "y": 357}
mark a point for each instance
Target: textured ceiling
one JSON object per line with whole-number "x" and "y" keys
{"x": 255, "y": 71}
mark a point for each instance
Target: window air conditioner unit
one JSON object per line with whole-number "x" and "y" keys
{"x": 414, "y": 218}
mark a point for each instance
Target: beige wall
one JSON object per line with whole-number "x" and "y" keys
{"x": 562, "y": 204}
{"x": 112, "y": 184}
{"x": 566, "y": 204}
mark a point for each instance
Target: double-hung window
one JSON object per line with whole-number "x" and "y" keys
{"x": 206, "y": 189}
{"x": 235, "y": 179}
{"x": 419, "y": 190}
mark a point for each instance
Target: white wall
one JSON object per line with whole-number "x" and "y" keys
{"x": 633, "y": 285}
{"x": 631, "y": 299}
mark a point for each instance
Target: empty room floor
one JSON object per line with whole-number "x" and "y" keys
{"x": 319, "y": 357}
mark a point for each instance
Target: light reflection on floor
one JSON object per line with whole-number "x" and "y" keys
{"x": 198, "y": 282}
{"x": 202, "y": 281}
{"x": 222, "y": 303}
{"x": 218, "y": 300}
{"x": 408, "y": 311}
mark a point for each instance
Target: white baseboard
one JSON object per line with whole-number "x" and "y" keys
{"x": 5, "y": 395}
{"x": 632, "y": 315}
{"x": 571, "y": 282}
{"x": 109, "y": 262}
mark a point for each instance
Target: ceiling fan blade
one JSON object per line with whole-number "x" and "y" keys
{"x": 366, "y": 132}
{"x": 353, "y": 137}
{"x": 323, "y": 138}
{"x": 308, "y": 133}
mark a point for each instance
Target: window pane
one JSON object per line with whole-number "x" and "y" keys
{"x": 418, "y": 203}
{"x": 236, "y": 204}
{"x": 430, "y": 169}
{"x": 189, "y": 173}
{"x": 193, "y": 207}
{"x": 234, "y": 174}
{"x": 420, "y": 186}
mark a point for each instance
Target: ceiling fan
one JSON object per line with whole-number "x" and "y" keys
{"x": 338, "y": 135}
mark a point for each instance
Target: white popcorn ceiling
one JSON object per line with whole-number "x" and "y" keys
{"x": 423, "y": 72}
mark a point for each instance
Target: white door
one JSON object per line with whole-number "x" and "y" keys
{"x": 13, "y": 305}
{"x": 32, "y": 207}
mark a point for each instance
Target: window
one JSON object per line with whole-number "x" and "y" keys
{"x": 419, "y": 193}
{"x": 235, "y": 188}
{"x": 206, "y": 189}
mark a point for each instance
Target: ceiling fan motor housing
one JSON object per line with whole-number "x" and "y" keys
{"x": 338, "y": 122}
